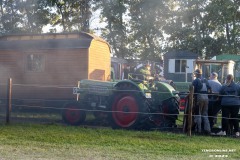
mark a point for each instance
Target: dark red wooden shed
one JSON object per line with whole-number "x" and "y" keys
{"x": 47, "y": 66}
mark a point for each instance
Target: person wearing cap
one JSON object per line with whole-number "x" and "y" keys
{"x": 145, "y": 72}
{"x": 214, "y": 104}
{"x": 201, "y": 90}
{"x": 230, "y": 103}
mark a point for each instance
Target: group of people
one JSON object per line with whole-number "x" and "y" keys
{"x": 211, "y": 97}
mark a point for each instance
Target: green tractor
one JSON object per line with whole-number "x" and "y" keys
{"x": 125, "y": 104}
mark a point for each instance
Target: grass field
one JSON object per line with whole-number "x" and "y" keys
{"x": 59, "y": 142}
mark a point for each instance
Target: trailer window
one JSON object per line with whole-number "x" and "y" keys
{"x": 35, "y": 62}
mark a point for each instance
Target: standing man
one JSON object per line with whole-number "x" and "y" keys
{"x": 201, "y": 90}
{"x": 214, "y": 102}
{"x": 230, "y": 102}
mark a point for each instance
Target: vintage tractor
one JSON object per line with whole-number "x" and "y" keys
{"x": 126, "y": 104}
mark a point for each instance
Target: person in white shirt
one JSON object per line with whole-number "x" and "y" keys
{"x": 214, "y": 104}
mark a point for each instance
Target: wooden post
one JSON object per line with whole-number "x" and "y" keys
{"x": 78, "y": 95}
{"x": 185, "y": 118}
{"x": 189, "y": 130}
{"x": 9, "y": 100}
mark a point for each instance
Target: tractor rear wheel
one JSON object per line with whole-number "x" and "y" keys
{"x": 128, "y": 109}
{"x": 72, "y": 114}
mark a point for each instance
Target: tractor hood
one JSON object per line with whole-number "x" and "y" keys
{"x": 165, "y": 91}
{"x": 95, "y": 87}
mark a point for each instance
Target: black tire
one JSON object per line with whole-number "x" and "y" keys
{"x": 170, "y": 106}
{"x": 72, "y": 114}
{"x": 128, "y": 108}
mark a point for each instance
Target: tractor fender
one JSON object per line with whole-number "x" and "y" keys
{"x": 129, "y": 82}
{"x": 165, "y": 91}
{"x": 170, "y": 82}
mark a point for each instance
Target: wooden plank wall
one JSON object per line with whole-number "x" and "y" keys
{"x": 62, "y": 70}
{"x": 99, "y": 61}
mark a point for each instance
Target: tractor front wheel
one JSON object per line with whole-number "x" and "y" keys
{"x": 73, "y": 114}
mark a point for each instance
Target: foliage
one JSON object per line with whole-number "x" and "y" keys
{"x": 137, "y": 29}
{"x": 158, "y": 26}
{"x": 71, "y": 15}
{"x": 9, "y": 17}
{"x": 226, "y": 26}
{"x": 115, "y": 31}
{"x": 23, "y": 16}
{"x": 147, "y": 20}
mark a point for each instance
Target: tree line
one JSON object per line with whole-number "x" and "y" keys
{"x": 144, "y": 29}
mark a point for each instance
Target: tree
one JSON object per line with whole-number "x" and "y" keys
{"x": 147, "y": 19}
{"x": 186, "y": 28}
{"x": 142, "y": 29}
{"x": 115, "y": 32}
{"x": 205, "y": 27}
{"x": 23, "y": 16}
{"x": 10, "y": 19}
{"x": 223, "y": 19}
{"x": 34, "y": 14}
{"x": 71, "y": 14}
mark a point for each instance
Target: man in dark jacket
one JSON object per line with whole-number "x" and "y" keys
{"x": 201, "y": 90}
{"x": 230, "y": 103}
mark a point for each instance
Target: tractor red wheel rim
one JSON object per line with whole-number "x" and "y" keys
{"x": 125, "y": 111}
{"x": 73, "y": 114}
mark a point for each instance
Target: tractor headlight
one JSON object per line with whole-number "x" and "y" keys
{"x": 148, "y": 95}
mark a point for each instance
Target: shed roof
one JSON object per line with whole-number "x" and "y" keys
{"x": 181, "y": 55}
{"x": 233, "y": 57}
{"x": 48, "y": 41}
{"x": 118, "y": 60}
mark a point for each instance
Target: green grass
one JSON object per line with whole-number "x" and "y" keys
{"x": 35, "y": 141}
